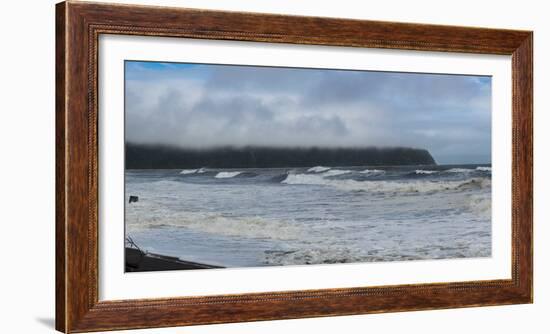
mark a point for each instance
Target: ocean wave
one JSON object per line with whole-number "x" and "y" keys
{"x": 315, "y": 255}
{"x": 467, "y": 170}
{"x": 327, "y": 171}
{"x": 424, "y": 172}
{"x": 318, "y": 169}
{"x": 189, "y": 171}
{"x": 372, "y": 171}
{"x": 332, "y": 254}
{"x": 218, "y": 224}
{"x": 335, "y": 172}
{"x": 475, "y": 183}
{"x": 480, "y": 204}
{"x": 226, "y": 175}
{"x": 459, "y": 170}
{"x": 193, "y": 171}
{"x": 388, "y": 186}
{"x": 455, "y": 170}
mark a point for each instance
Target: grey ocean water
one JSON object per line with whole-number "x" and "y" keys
{"x": 296, "y": 216}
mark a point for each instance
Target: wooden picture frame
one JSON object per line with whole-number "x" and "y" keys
{"x": 78, "y": 26}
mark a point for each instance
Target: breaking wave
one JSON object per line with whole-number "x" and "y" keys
{"x": 226, "y": 175}
{"x": 460, "y": 170}
{"x": 318, "y": 169}
{"x": 388, "y": 186}
{"x": 467, "y": 170}
{"x": 327, "y": 171}
{"x": 423, "y": 172}
{"x": 193, "y": 171}
{"x": 189, "y": 171}
{"x": 480, "y": 204}
{"x": 453, "y": 170}
{"x": 218, "y": 224}
{"x": 335, "y": 172}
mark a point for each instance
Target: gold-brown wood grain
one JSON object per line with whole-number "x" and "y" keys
{"x": 78, "y": 26}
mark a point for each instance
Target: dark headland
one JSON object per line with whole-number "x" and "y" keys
{"x": 167, "y": 157}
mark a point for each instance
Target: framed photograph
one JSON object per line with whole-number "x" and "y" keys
{"x": 223, "y": 167}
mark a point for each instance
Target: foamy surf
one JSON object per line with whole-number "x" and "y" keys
{"x": 226, "y": 175}
{"x": 218, "y": 224}
{"x": 315, "y": 255}
{"x": 387, "y": 186}
{"x": 335, "y": 172}
{"x": 318, "y": 169}
{"x": 480, "y": 204}
{"x": 459, "y": 170}
{"x": 291, "y": 216}
{"x": 193, "y": 171}
{"x": 424, "y": 172}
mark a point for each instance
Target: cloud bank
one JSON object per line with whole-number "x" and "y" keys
{"x": 205, "y": 106}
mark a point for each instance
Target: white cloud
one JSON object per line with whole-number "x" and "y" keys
{"x": 213, "y": 105}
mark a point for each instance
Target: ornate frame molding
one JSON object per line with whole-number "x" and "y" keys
{"x": 78, "y": 27}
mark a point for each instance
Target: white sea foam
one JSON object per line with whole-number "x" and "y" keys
{"x": 466, "y": 170}
{"x": 226, "y": 175}
{"x": 388, "y": 186}
{"x": 348, "y": 254}
{"x": 214, "y": 223}
{"x": 459, "y": 170}
{"x": 316, "y": 255}
{"x": 193, "y": 171}
{"x": 318, "y": 169}
{"x": 188, "y": 171}
{"x": 305, "y": 179}
{"x": 335, "y": 172}
{"x": 480, "y": 204}
{"x": 421, "y": 171}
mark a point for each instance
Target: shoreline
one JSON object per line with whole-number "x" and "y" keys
{"x": 138, "y": 261}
